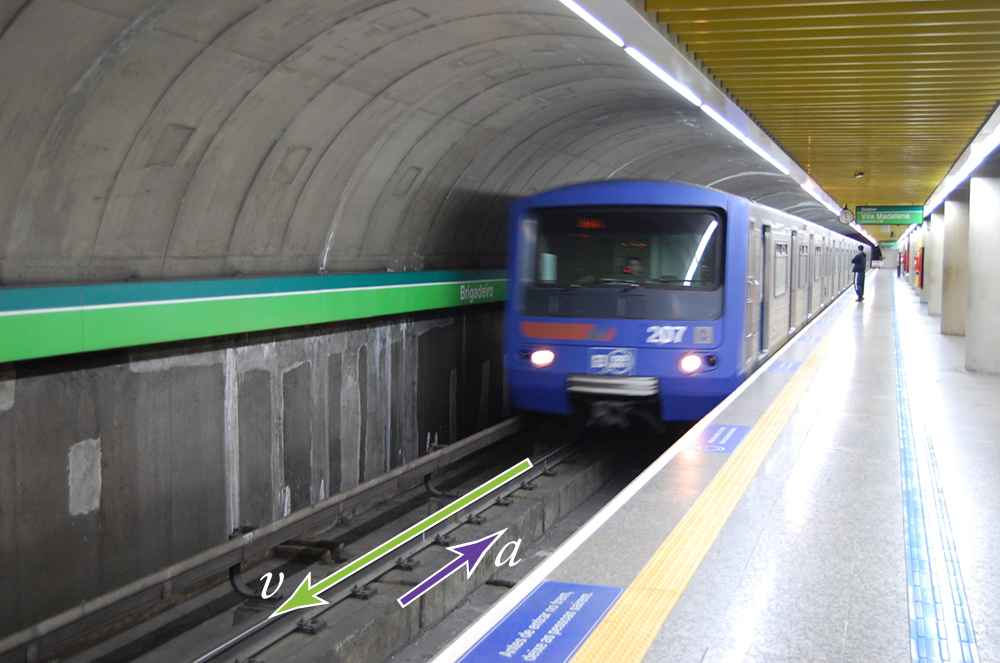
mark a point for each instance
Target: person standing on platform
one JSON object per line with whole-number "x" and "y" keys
{"x": 860, "y": 262}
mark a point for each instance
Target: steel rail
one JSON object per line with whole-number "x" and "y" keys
{"x": 289, "y": 623}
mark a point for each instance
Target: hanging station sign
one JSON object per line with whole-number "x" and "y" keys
{"x": 895, "y": 216}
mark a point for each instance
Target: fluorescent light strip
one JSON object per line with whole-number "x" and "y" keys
{"x": 977, "y": 154}
{"x": 638, "y": 56}
{"x": 864, "y": 233}
{"x": 701, "y": 249}
{"x": 683, "y": 90}
{"x": 603, "y": 29}
{"x": 813, "y": 190}
{"x": 909, "y": 231}
{"x": 714, "y": 114}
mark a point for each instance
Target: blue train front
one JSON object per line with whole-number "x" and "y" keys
{"x": 626, "y": 294}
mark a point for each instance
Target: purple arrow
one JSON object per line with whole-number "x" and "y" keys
{"x": 469, "y": 554}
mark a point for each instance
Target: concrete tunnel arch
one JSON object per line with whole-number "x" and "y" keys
{"x": 165, "y": 139}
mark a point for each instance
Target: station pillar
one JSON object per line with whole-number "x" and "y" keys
{"x": 917, "y": 244}
{"x": 955, "y": 287}
{"x": 982, "y": 351}
{"x": 924, "y": 281}
{"x": 911, "y": 265}
{"x": 935, "y": 264}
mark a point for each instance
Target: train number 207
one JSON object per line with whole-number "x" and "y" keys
{"x": 658, "y": 334}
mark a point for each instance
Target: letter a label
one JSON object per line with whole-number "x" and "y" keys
{"x": 512, "y": 560}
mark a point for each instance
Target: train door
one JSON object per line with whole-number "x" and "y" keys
{"x": 816, "y": 283}
{"x": 793, "y": 281}
{"x": 841, "y": 283}
{"x": 826, "y": 271}
{"x": 841, "y": 279}
{"x": 808, "y": 276}
{"x": 778, "y": 294}
{"x": 755, "y": 274}
{"x": 766, "y": 294}
{"x": 836, "y": 268}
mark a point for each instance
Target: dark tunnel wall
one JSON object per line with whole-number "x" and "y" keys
{"x": 115, "y": 466}
{"x": 161, "y": 139}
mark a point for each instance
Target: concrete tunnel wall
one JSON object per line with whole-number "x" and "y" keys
{"x": 116, "y": 466}
{"x": 168, "y": 139}
{"x": 197, "y": 138}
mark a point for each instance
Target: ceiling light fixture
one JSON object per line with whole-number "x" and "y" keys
{"x": 813, "y": 190}
{"x": 909, "y": 231}
{"x": 714, "y": 114}
{"x": 977, "y": 154}
{"x": 603, "y": 29}
{"x": 657, "y": 71}
{"x": 688, "y": 94}
{"x": 864, "y": 233}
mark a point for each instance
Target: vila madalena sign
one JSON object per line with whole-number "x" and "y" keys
{"x": 887, "y": 216}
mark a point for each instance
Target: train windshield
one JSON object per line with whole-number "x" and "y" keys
{"x": 648, "y": 257}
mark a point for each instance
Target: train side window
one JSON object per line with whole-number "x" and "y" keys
{"x": 803, "y": 265}
{"x": 780, "y": 268}
{"x": 817, "y": 263}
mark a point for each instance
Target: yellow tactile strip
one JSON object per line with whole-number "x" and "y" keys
{"x": 627, "y": 631}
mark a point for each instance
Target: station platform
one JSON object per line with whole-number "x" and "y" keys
{"x": 837, "y": 507}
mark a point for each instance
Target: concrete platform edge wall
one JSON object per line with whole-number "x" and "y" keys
{"x": 117, "y": 464}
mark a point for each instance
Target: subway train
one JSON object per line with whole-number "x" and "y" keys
{"x": 631, "y": 297}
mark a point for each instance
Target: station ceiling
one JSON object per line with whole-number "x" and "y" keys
{"x": 874, "y": 99}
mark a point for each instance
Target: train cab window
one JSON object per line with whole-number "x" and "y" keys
{"x": 780, "y": 268}
{"x": 627, "y": 262}
{"x": 817, "y": 263}
{"x": 803, "y": 265}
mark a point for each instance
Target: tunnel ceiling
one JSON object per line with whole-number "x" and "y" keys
{"x": 160, "y": 139}
{"x": 893, "y": 89}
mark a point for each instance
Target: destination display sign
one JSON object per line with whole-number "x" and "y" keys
{"x": 887, "y": 216}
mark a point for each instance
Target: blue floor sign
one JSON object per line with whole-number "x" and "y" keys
{"x": 719, "y": 439}
{"x": 548, "y": 626}
{"x": 785, "y": 366}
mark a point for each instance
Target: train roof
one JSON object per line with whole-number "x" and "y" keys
{"x": 632, "y": 192}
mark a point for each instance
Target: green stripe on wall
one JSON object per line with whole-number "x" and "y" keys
{"x": 32, "y": 334}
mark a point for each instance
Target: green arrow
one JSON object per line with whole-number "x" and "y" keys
{"x": 307, "y": 594}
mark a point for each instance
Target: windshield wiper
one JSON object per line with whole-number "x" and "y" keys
{"x": 604, "y": 281}
{"x": 628, "y": 284}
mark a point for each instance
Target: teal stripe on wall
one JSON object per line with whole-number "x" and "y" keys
{"x": 51, "y": 321}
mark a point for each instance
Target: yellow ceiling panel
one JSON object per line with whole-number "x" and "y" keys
{"x": 875, "y": 99}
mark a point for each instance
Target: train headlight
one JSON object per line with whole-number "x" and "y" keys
{"x": 690, "y": 363}
{"x": 542, "y": 358}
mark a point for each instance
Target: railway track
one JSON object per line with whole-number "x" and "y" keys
{"x": 286, "y": 636}
{"x": 202, "y": 618}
